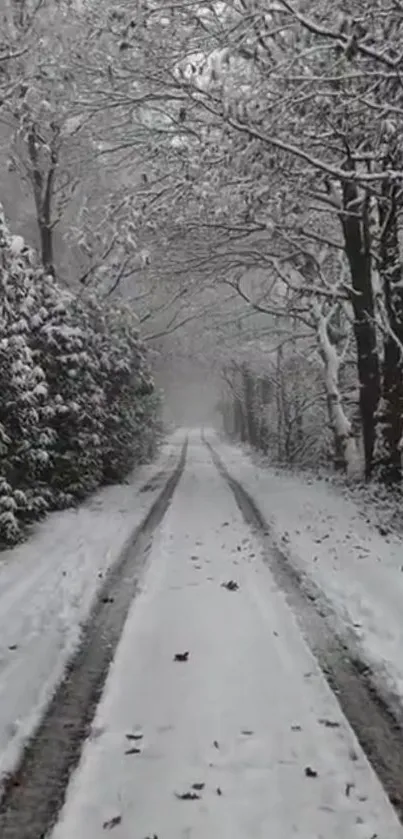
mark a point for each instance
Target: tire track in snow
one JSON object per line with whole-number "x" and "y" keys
{"x": 376, "y": 726}
{"x": 34, "y": 794}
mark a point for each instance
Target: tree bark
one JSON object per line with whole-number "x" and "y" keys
{"x": 354, "y": 220}
{"x": 42, "y": 183}
{"x": 249, "y": 401}
{"x": 47, "y": 255}
{"x": 391, "y": 408}
{"x": 345, "y": 444}
{"x": 280, "y": 404}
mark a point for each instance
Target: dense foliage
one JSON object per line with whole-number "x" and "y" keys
{"x": 78, "y": 407}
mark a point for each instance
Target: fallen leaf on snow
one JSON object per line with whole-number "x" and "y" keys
{"x": 188, "y": 796}
{"x": 382, "y": 530}
{"x": 310, "y": 773}
{"x": 329, "y": 723}
{"x": 181, "y": 656}
{"x": 198, "y": 787}
{"x": 111, "y": 823}
{"x": 134, "y": 736}
{"x": 296, "y": 728}
{"x": 133, "y": 751}
{"x": 231, "y": 585}
{"x": 218, "y": 791}
{"x": 216, "y": 744}
{"x": 348, "y": 789}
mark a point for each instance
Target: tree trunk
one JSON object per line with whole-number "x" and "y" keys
{"x": 391, "y": 413}
{"x": 346, "y": 450}
{"x": 46, "y": 238}
{"x": 354, "y": 220}
{"x": 43, "y": 184}
{"x": 249, "y": 401}
{"x": 280, "y": 404}
{"x": 264, "y": 390}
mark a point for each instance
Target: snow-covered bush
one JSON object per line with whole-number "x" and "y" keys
{"x": 77, "y": 406}
{"x": 131, "y": 410}
{"x": 65, "y": 346}
{"x": 25, "y": 436}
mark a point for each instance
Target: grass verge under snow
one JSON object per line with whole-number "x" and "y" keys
{"x": 47, "y": 587}
{"x": 337, "y": 543}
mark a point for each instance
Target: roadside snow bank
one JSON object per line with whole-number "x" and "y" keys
{"x": 47, "y": 587}
{"x": 327, "y": 537}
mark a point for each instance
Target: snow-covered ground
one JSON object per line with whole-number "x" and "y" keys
{"x": 47, "y": 586}
{"x": 326, "y": 535}
{"x": 232, "y": 742}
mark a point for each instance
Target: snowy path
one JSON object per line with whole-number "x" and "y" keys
{"x": 47, "y": 586}
{"x": 240, "y": 724}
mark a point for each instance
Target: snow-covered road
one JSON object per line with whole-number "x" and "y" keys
{"x": 241, "y": 740}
